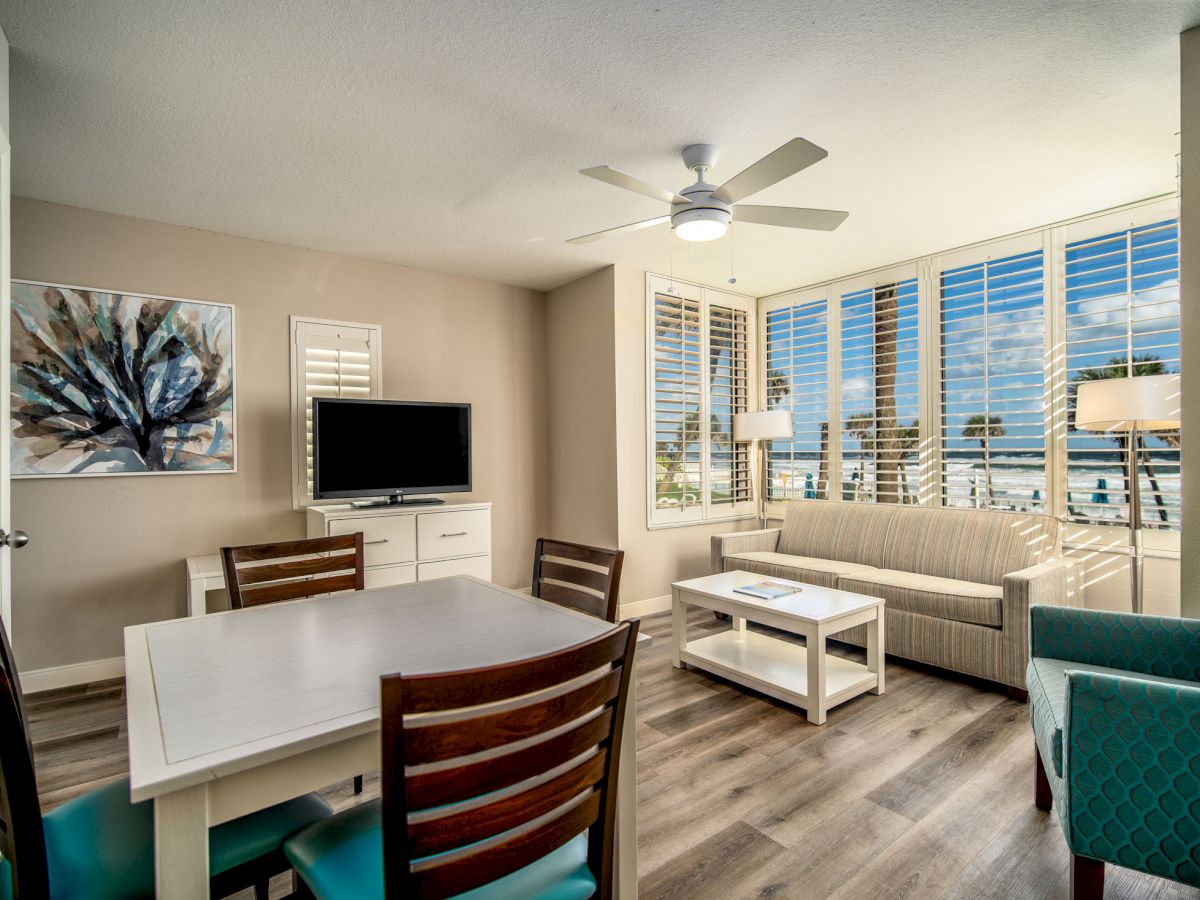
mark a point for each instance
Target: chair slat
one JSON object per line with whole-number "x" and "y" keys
{"x": 293, "y": 590}
{"x": 442, "y": 833}
{"x": 588, "y": 578}
{"x": 296, "y": 568}
{"x": 446, "y": 740}
{"x": 451, "y": 785}
{"x": 472, "y": 687}
{"x": 455, "y": 876}
{"x": 572, "y": 599}
{"x": 597, "y": 556}
{"x": 282, "y": 549}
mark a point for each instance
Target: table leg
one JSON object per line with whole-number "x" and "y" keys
{"x": 626, "y": 856}
{"x": 181, "y": 844}
{"x": 678, "y": 627}
{"x": 876, "y": 659}
{"x": 196, "y": 597}
{"x": 737, "y": 624}
{"x": 815, "y": 651}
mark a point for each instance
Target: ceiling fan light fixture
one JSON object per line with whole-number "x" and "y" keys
{"x": 700, "y": 224}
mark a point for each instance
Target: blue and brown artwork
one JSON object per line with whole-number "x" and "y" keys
{"x": 108, "y": 383}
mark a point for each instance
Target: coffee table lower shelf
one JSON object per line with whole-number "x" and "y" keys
{"x": 776, "y": 668}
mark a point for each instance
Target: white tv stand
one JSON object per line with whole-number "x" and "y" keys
{"x": 418, "y": 542}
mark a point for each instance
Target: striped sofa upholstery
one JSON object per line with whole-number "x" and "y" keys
{"x": 958, "y": 582}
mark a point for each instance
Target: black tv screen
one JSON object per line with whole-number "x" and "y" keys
{"x": 377, "y": 448}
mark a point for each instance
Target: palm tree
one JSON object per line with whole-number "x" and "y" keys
{"x": 982, "y": 428}
{"x": 907, "y": 440}
{"x": 888, "y": 456}
{"x": 1120, "y": 367}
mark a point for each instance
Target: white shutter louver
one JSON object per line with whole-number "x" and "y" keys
{"x": 330, "y": 360}
{"x": 797, "y": 379}
{"x": 993, "y": 369}
{"x": 729, "y": 393}
{"x": 678, "y": 403}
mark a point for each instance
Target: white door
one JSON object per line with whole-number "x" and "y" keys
{"x": 8, "y": 537}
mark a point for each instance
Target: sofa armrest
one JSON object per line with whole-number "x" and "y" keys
{"x": 1149, "y": 645}
{"x": 1131, "y": 749}
{"x": 764, "y": 541}
{"x": 1055, "y": 582}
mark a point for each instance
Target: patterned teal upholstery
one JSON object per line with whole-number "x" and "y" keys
{"x": 1126, "y": 780}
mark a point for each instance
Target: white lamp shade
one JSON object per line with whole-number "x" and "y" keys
{"x": 769, "y": 424}
{"x": 1149, "y": 402}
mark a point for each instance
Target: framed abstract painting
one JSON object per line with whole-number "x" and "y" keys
{"x": 108, "y": 383}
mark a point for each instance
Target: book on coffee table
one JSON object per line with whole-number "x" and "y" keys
{"x": 767, "y": 590}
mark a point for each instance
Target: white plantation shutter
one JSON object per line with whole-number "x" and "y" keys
{"x": 329, "y": 359}
{"x": 699, "y": 376}
{"x": 992, "y": 324}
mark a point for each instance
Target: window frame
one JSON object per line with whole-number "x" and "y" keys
{"x": 706, "y": 297}
{"x": 1053, "y": 240}
{"x": 301, "y": 499}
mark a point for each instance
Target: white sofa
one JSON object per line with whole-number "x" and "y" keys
{"x": 958, "y": 583}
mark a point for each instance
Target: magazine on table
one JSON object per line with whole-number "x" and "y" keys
{"x": 767, "y": 590}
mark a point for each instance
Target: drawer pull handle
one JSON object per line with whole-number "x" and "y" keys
{"x": 453, "y": 533}
{"x": 380, "y": 541}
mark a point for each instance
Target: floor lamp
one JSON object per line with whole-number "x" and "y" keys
{"x": 766, "y": 425}
{"x": 1130, "y": 406}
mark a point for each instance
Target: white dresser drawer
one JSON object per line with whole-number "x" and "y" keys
{"x": 386, "y": 539}
{"x": 479, "y": 566}
{"x": 464, "y": 532}
{"x": 386, "y": 576}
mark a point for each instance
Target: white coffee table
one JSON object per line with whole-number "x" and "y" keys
{"x": 806, "y": 677}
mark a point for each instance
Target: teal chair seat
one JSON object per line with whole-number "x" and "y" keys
{"x": 1048, "y": 700}
{"x": 341, "y": 858}
{"x": 101, "y": 846}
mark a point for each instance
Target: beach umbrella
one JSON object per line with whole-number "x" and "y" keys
{"x": 1037, "y": 495}
{"x": 1101, "y": 495}
{"x": 810, "y": 490}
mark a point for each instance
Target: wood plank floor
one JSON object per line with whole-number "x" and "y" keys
{"x": 924, "y": 792}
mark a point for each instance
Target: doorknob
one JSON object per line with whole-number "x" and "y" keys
{"x": 16, "y": 539}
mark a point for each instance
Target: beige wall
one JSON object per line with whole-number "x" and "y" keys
{"x": 581, "y": 410}
{"x": 1189, "y": 143}
{"x": 108, "y": 552}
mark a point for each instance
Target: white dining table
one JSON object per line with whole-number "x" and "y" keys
{"x": 233, "y": 712}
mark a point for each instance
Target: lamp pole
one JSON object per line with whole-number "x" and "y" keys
{"x": 1135, "y": 519}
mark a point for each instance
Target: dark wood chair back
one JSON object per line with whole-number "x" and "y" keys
{"x": 584, "y": 578}
{"x": 22, "y": 842}
{"x": 252, "y": 579}
{"x": 447, "y": 739}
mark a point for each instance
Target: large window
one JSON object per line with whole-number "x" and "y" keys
{"x": 951, "y": 379}
{"x": 993, "y": 372}
{"x": 1122, "y": 297}
{"x": 700, "y": 376}
{"x": 329, "y": 359}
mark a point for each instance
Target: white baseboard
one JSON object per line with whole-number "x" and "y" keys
{"x": 67, "y": 676}
{"x": 646, "y": 607}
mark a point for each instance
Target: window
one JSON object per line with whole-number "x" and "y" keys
{"x": 880, "y": 402}
{"x": 329, "y": 359}
{"x": 993, "y": 371}
{"x": 1122, "y": 319}
{"x": 700, "y": 376}
{"x": 797, "y": 352}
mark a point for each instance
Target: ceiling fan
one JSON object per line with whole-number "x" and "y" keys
{"x": 703, "y": 211}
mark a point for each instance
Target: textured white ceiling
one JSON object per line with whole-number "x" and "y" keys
{"x": 447, "y": 135}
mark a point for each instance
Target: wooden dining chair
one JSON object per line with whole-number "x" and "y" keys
{"x": 303, "y": 568}
{"x": 101, "y": 845}
{"x": 502, "y": 776}
{"x": 583, "y": 578}
{"x": 288, "y": 570}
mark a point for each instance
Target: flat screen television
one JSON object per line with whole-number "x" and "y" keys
{"x": 390, "y": 448}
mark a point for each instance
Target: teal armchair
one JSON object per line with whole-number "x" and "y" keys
{"x": 1114, "y": 699}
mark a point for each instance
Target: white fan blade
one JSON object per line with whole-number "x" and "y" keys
{"x": 617, "y": 178}
{"x": 620, "y": 229}
{"x": 789, "y": 159}
{"x": 791, "y": 217}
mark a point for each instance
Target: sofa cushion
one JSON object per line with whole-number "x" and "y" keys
{"x": 830, "y": 529}
{"x": 975, "y": 545}
{"x": 927, "y": 595}
{"x": 1048, "y": 700}
{"x": 809, "y": 569}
